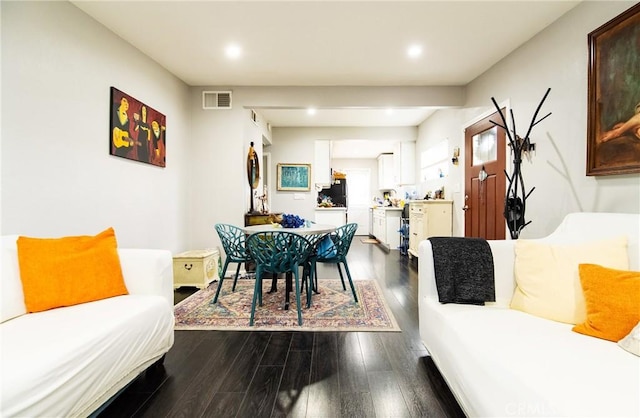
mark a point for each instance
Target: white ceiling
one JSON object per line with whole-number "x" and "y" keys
{"x": 327, "y": 43}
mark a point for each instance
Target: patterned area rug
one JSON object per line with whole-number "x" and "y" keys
{"x": 333, "y": 309}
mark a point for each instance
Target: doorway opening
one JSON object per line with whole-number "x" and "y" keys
{"x": 359, "y": 196}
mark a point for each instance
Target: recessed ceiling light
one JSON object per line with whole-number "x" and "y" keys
{"x": 233, "y": 51}
{"x": 389, "y": 111}
{"x": 311, "y": 111}
{"x": 414, "y": 51}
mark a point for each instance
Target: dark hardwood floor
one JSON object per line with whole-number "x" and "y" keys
{"x": 302, "y": 374}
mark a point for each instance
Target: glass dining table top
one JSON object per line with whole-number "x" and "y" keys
{"x": 304, "y": 230}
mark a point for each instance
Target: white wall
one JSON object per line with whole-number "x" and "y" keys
{"x": 218, "y": 185}
{"x": 58, "y": 178}
{"x": 555, "y": 58}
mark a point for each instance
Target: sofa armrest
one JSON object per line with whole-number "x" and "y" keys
{"x": 503, "y": 262}
{"x": 148, "y": 272}
{"x": 426, "y": 274}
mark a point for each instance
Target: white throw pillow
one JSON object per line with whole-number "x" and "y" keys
{"x": 12, "y": 297}
{"x": 547, "y": 278}
{"x": 631, "y": 342}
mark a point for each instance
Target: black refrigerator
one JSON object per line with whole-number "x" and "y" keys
{"x": 337, "y": 192}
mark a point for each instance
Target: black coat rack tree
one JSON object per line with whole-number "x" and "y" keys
{"x": 515, "y": 200}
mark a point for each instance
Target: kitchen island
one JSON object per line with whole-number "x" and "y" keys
{"x": 336, "y": 216}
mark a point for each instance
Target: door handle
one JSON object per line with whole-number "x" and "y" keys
{"x": 465, "y": 208}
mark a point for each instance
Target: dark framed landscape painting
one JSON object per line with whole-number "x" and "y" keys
{"x": 613, "y": 118}
{"x": 137, "y": 131}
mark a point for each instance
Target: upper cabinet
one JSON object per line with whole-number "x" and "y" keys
{"x": 399, "y": 168}
{"x": 322, "y": 163}
{"x": 404, "y": 163}
{"x": 386, "y": 180}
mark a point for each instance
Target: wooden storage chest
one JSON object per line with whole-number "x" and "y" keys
{"x": 195, "y": 268}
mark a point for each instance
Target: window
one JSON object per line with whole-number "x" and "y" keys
{"x": 484, "y": 146}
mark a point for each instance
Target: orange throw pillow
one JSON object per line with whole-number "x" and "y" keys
{"x": 612, "y": 299}
{"x": 67, "y": 271}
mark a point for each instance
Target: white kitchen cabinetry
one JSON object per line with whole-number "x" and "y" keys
{"x": 386, "y": 227}
{"x": 428, "y": 218}
{"x": 385, "y": 172}
{"x": 378, "y": 224}
{"x": 322, "y": 162}
{"x": 404, "y": 163}
{"x": 331, "y": 216}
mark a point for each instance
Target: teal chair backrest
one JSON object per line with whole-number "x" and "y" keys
{"x": 233, "y": 241}
{"x": 278, "y": 251}
{"x": 341, "y": 238}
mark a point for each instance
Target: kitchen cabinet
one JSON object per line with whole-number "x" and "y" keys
{"x": 429, "y": 218}
{"x": 385, "y": 172}
{"x": 386, "y": 226}
{"x": 331, "y": 216}
{"x": 404, "y": 163}
{"x": 322, "y": 162}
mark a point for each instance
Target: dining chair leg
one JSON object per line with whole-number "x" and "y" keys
{"x": 310, "y": 286}
{"x": 224, "y": 271}
{"x": 306, "y": 272}
{"x": 353, "y": 289}
{"x": 256, "y": 292}
{"x": 261, "y": 282}
{"x": 298, "y": 305}
{"x": 235, "y": 281}
{"x": 341, "y": 276}
{"x": 314, "y": 282}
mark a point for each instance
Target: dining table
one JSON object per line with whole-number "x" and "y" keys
{"x": 307, "y": 229}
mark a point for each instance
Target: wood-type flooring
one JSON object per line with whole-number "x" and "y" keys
{"x": 301, "y": 374}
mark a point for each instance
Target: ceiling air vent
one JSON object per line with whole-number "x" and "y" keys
{"x": 216, "y": 100}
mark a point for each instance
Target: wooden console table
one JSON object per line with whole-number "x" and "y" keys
{"x": 261, "y": 218}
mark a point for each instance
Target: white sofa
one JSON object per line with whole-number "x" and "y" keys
{"x": 68, "y": 362}
{"x": 503, "y": 362}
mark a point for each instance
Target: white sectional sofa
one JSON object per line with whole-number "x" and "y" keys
{"x": 69, "y": 361}
{"x": 501, "y": 362}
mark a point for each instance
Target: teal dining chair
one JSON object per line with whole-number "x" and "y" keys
{"x": 234, "y": 243}
{"x": 336, "y": 254}
{"x": 277, "y": 252}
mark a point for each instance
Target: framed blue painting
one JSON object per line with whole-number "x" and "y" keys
{"x": 294, "y": 177}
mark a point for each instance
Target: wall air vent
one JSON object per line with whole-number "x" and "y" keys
{"x": 216, "y": 100}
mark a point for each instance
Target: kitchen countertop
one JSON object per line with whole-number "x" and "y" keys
{"x": 332, "y": 208}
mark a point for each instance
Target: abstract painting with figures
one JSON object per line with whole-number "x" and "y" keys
{"x": 137, "y": 131}
{"x": 613, "y": 143}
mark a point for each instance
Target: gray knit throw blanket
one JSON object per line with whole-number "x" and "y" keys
{"x": 463, "y": 269}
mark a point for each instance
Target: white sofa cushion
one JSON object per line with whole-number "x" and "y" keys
{"x": 503, "y": 362}
{"x": 548, "y": 283}
{"x": 11, "y": 295}
{"x": 631, "y": 342}
{"x": 60, "y": 362}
